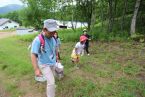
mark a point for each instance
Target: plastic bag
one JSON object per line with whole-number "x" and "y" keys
{"x": 59, "y": 68}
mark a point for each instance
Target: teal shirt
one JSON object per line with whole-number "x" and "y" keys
{"x": 49, "y": 56}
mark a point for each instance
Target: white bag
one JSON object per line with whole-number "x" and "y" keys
{"x": 59, "y": 70}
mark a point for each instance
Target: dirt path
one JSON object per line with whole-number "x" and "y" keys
{"x": 7, "y": 34}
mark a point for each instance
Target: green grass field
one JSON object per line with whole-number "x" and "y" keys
{"x": 114, "y": 69}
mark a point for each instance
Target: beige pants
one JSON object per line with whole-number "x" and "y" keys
{"x": 49, "y": 72}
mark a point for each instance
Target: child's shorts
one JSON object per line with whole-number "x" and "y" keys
{"x": 75, "y": 56}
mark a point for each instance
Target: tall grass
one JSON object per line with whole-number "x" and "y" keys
{"x": 27, "y": 37}
{"x": 18, "y": 65}
{"x": 68, "y": 35}
{"x": 14, "y": 64}
{"x": 102, "y": 35}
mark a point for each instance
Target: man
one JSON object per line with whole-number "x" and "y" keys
{"x": 87, "y": 41}
{"x": 44, "y": 59}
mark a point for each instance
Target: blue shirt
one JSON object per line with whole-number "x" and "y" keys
{"x": 58, "y": 42}
{"x": 49, "y": 56}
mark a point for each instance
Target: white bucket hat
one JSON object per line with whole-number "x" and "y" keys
{"x": 84, "y": 30}
{"x": 50, "y": 25}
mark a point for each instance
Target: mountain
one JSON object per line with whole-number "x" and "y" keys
{"x": 10, "y": 8}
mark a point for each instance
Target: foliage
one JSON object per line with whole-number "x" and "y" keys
{"x": 114, "y": 16}
{"x": 66, "y": 35}
{"x": 37, "y": 11}
{"x": 27, "y": 38}
{"x": 69, "y": 35}
{"x": 13, "y": 16}
{"x": 99, "y": 34}
{"x": 138, "y": 37}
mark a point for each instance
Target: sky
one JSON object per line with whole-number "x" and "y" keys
{"x": 6, "y": 2}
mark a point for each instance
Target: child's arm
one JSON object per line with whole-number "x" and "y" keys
{"x": 76, "y": 51}
{"x": 82, "y": 52}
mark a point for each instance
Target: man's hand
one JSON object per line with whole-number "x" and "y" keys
{"x": 38, "y": 72}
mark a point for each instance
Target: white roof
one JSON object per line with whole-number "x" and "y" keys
{"x": 4, "y": 20}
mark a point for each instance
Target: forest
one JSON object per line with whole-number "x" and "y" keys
{"x": 111, "y": 17}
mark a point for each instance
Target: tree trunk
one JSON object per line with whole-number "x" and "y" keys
{"x": 110, "y": 24}
{"x": 90, "y": 13}
{"x": 123, "y": 15}
{"x": 133, "y": 22}
{"x": 72, "y": 18}
{"x": 102, "y": 14}
{"x": 93, "y": 20}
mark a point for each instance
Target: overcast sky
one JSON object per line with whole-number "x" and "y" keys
{"x": 6, "y": 2}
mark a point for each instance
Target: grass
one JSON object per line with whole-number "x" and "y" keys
{"x": 112, "y": 70}
{"x": 14, "y": 62}
{"x": 68, "y": 35}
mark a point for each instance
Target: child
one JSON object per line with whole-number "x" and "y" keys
{"x": 58, "y": 42}
{"x": 58, "y": 66}
{"x": 78, "y": 50}
{"x": 87, "y": 41}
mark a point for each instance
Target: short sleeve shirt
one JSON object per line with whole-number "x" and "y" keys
{"x": 58, "y": 42}
{"x": 49, "y": 56}
{"x": 80, "y": 47}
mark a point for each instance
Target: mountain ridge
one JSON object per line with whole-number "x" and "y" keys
{"x": 10, "y": 8}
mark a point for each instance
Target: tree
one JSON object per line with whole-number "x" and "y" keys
{"x": 110, "y": 24}
{"x": 13, "y": 16}
{"x": 37, "y": 11}
{"x": 123, "y": 14}
{"x": 86, "y": 8}
{"x": 133, "y": 22}
{"x": 114, "y": 15}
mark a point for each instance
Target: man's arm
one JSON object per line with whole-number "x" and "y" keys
{"x": 35, "y": 64}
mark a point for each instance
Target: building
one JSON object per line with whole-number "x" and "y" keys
{"x": 7, "y": 24}
{"x": 71, "y": 24}
{"x": 23, "y": 31}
